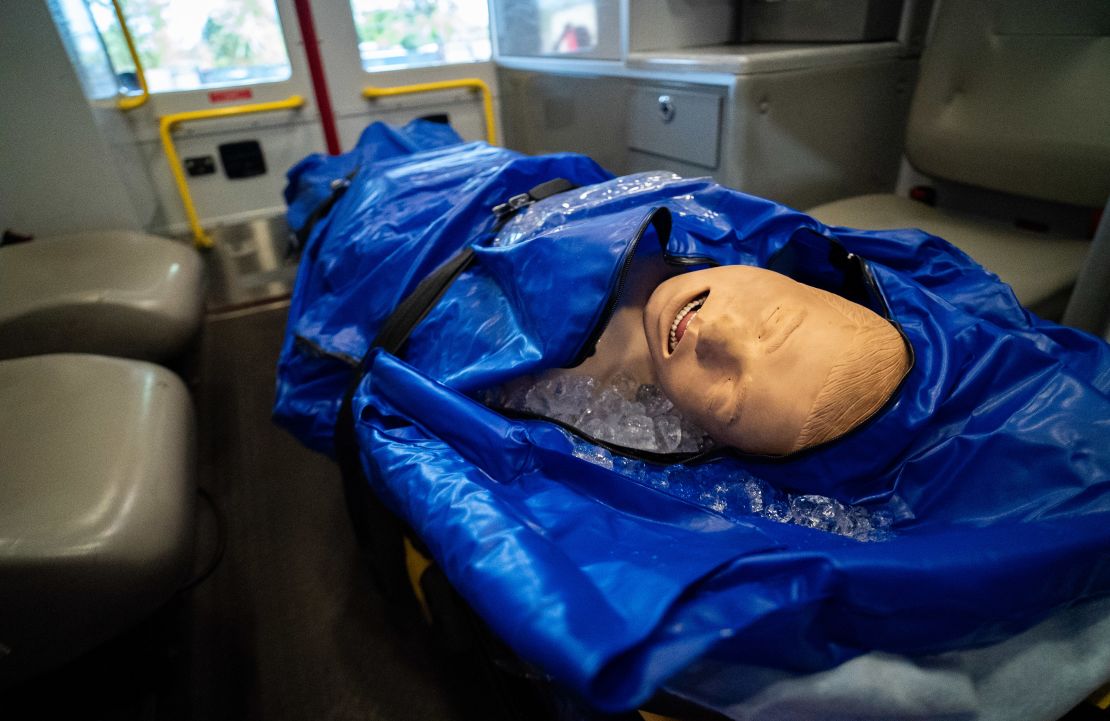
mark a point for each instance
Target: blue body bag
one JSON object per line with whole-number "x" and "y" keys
{"x": 997, "y": 442}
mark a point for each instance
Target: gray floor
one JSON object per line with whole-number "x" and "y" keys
{"x": 288, "y": 626}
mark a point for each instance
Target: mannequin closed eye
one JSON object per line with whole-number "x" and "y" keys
{"x": 725, "y": 400}
{"x": 779, "y": 326}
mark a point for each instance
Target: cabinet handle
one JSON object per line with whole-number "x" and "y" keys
{"x": 666, "y": 108}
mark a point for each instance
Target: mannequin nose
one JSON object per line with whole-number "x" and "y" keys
{"x": 719, "y": 336}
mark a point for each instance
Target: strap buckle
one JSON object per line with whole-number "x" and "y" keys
{"x": 512, "y": 205}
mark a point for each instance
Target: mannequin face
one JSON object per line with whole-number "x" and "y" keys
{"x": 749, "y": 364}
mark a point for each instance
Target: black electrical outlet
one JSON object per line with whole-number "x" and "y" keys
{"x": 441, "y": 118}
{"x": 243, "y": 159}
{"x": 200, "y": 165}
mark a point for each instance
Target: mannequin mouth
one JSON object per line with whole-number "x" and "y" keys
{"x": 682, "y": 320}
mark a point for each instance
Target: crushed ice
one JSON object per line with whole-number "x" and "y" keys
{"x": 639, "y": 416}
{"x": 740, "y": 495}
{"x": 620, "y": 411}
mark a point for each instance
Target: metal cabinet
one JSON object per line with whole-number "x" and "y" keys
{"x": 801, "y": 124}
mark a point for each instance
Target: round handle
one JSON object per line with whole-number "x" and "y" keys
{"x": 666, "y": 108}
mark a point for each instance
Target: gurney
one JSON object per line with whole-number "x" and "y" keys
{"x": 433, "y": 271}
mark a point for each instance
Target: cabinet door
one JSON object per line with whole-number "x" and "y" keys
{"x": 676, "y": 123}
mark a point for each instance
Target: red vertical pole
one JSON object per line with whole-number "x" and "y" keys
{"x": 316, "y": 70}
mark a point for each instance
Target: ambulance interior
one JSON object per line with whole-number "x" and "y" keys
{"x": 166, "y": 552}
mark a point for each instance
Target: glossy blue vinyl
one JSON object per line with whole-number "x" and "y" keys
{"x": 998, "y": 440}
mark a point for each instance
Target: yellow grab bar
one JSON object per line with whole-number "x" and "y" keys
{"x": 468, "y": 83}
{"x": 167, "y": 123}
{"x": 134, "y": 101}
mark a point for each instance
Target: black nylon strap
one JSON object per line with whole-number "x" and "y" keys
{"x": 410, "y": 311}
{"x": 338, "y": 188}
{"x": 378, "y": 530}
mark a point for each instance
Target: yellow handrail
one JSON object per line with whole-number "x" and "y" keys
{"x": 474, "y": 84}
{"x": 167, "y": 123}
{"x": 134, "y": 101}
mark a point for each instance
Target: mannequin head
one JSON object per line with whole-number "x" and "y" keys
{"x": 766, "y": 364}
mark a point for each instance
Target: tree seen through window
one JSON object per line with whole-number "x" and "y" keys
{"x": 409, "y": 33}
{"x": 190, "y": 44}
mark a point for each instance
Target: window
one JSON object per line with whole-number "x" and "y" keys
{"x": 568, "y": 27}
{"x": 85, "y": 48}
{"x": 395, "y": 34}
{"x": 559, "y": 28}
{"x": 185, "y": 44}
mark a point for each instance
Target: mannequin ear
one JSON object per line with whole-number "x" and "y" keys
{"x": 860, "y": 383}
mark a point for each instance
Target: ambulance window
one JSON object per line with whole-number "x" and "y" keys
{"x": 188, "y": 44}
{"x": 394, "y": 34}
{"x": 85, "y": 48}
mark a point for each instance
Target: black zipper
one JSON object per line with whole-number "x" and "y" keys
{"x": 659, "y": 217}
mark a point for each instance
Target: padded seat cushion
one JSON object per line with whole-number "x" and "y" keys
{"x": 1013, "y": 97}
{"x": 97, "y": 494}
{"x": 1040, "y": 268}
{"x": 118, "y": 293}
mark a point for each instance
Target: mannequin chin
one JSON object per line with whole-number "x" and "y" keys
{"x": 766, "y": 364}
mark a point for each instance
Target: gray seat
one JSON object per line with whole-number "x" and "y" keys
{"x": 118, "y": 293}
{"x": 97, "y": 494}
{"x": 1012, "y": 98}
{"x": 1040, "y": 268}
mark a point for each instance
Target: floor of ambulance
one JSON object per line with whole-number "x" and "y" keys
{"x": 288, "y": 625}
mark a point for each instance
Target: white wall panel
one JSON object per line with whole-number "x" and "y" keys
{"x": 219, "y": 199}
{"x": 57, "y": 173}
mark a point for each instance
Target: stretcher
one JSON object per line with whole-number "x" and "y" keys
{"x": 433, "y": 270}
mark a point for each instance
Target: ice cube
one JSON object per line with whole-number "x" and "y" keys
{"x": 596, "y": 427}
{"x": 858, "y": 525}
{"x": 594, "y": 454}
{"x": 569, "y": 395}
{"x": 581, "y": 389}
{"x": 882, "y": 519}
{"x": 655, "y": 402}
{"x": 754, "y": 490}
{"x": 630, "y": 467}
{"x": 538, "y": 398}
{"x": 813, "y": 511}
{"x": 608, "y": 402}
{"x": 636, "y": 431}
{"x": 668, "y": 433}
{"x": 778, "y": 511}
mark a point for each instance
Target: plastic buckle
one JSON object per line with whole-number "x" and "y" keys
{"x": 512, "y": 205}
